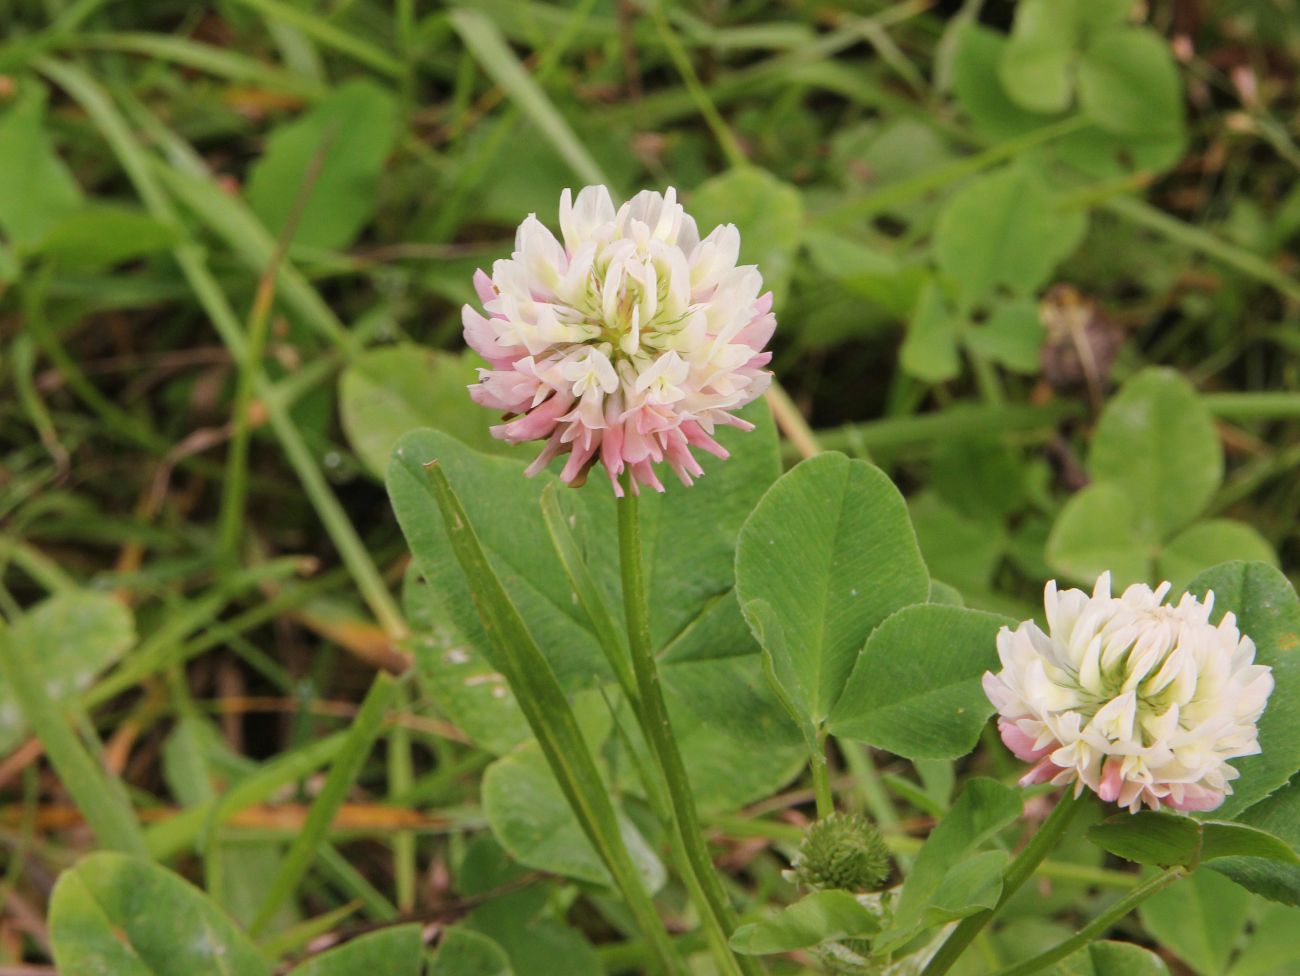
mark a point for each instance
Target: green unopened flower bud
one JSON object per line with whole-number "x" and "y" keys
{"x": 842, "y": 851}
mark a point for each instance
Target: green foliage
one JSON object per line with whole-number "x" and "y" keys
{"x": 335, "y": 152}
{"x": 768, "y": 214}
{"x": 121, "y": 915}
{"x": 1200, "y": 919}
{"x": 951, "y": 865}
{"x": 40, "y": 191}
{"x": 1112, "y": 959}
{"x": 1156, "y": 461}
{"x": 71, "y": 637}
{"x": 1171, "y": 840}
{"x": 915, "y": 689}
{"x": 916, "y": 184}
{"x": 464, "y": 952}
{"x": 1267, "y": 610}
{"x": 388, "y": 391}
{"x": 823, "y": 916}
{"x": 825, "y": 557}
{"x": 398, "y": 950}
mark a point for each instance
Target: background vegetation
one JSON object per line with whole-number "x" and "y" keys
{"x": 1036, "y": 261}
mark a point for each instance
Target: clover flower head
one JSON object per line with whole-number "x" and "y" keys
{"x": 843, "y": 851}
{"x": 1141, "y": 701}
{"x": 626, "y": 342}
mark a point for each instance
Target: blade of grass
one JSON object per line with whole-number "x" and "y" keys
{"x": 170, "y": 837}
{"x": 401, "y": 774}
{"x": 217, "y": 61}
{"x": 328, "y": 34}
{"x": 492, "y": 52}
{"x": 1139, "y": 212}
{"x": 102, "y": 803}
{"x": 230, "y": 520}
{"x": 231, "y": 220}
{"x": 342, "y": 776}
{"x": 704, "y": 104}
{"x": 872, "y": 204}
{"x": 141, "y": 171}
{"x": 547, "y": 710}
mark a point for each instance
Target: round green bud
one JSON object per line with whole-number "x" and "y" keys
{"x": 842, "y": 851}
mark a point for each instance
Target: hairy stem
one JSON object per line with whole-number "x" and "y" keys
{"x": 1098, "y": 926}
{"x": 716, "y": 910}
{"x": 1019, "y": 871}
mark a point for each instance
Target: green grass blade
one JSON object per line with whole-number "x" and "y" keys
{"x": 492, "y": 52}
{"x": 166, "y": 839}
{"x": 342, "y": 776}
{"x": 547, "y": 711}
{"x": 216, "y": 61}
{"x": 103, "y": 804}
{"x": 322, "y": 31}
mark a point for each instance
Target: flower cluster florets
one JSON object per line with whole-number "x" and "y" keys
{"x": 1141, "y": 701}
{"x": 626, "y": 344}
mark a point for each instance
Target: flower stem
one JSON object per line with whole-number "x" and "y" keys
{"x": 1098, "y": 926}
{"x": 1019, "y": 871}
{"x": 715, "y": 909}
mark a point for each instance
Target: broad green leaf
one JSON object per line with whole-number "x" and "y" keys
{"x": 1111, "y": 959}
{"x": 123, "y": 916}
{"x": 1204, "y": 545}
{"x": 464, "y": 686}
{"x": 971, "y": 885}
{"x": 385, "y": 392}
{"x": 72, "y": 637}
{"x": 339, "y": 147}
{"x": 768, "y": 213}
{"x": 37, "y": 190}
{"x": 929, "y": 350}
{"x": 1036, "y": 64}
{"x": 1279, "y": 814}
{"x": 395, "y": 951}
{"x": 1006, "y": 230}
{"x": 1012, "y": 335}
{"x": 823, "y": 916}
{"x": 464, "y": 952}
{"x": 1100, "y": 154}
{"x": 828, "y": 553}
{"x": 979, "y": 90}
{"x": 1200, "y": 919}
{"x": 1097, "y": 531}
{"x": 518, "y": 918}
{"x": 700, "y": 636}
{"x": 1268, "y": 612}
{"x": 102, "y": 236}
{"x": 1129, "y": 83}
{"x": 983, "y": 809}
{"x": 1157, "y": 442}
{"x": 1169, "y": 839}
{"x": 915, "y": 690}
{"x": 417, "y": 479}
{"x": 530, "y": 817}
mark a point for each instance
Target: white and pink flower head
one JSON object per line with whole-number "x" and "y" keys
{"x": 627, "y": 344}
{"x": 1141, "y": 701}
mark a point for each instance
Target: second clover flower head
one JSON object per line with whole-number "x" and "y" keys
{"x": 625, "y": 343}
{"x": 1140, "y": 701}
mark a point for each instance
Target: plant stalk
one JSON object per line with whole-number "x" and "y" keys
{"x": 1019, "y": 871}
{"x": 659, "y": 734}
{"x": 1098, "y": 926}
